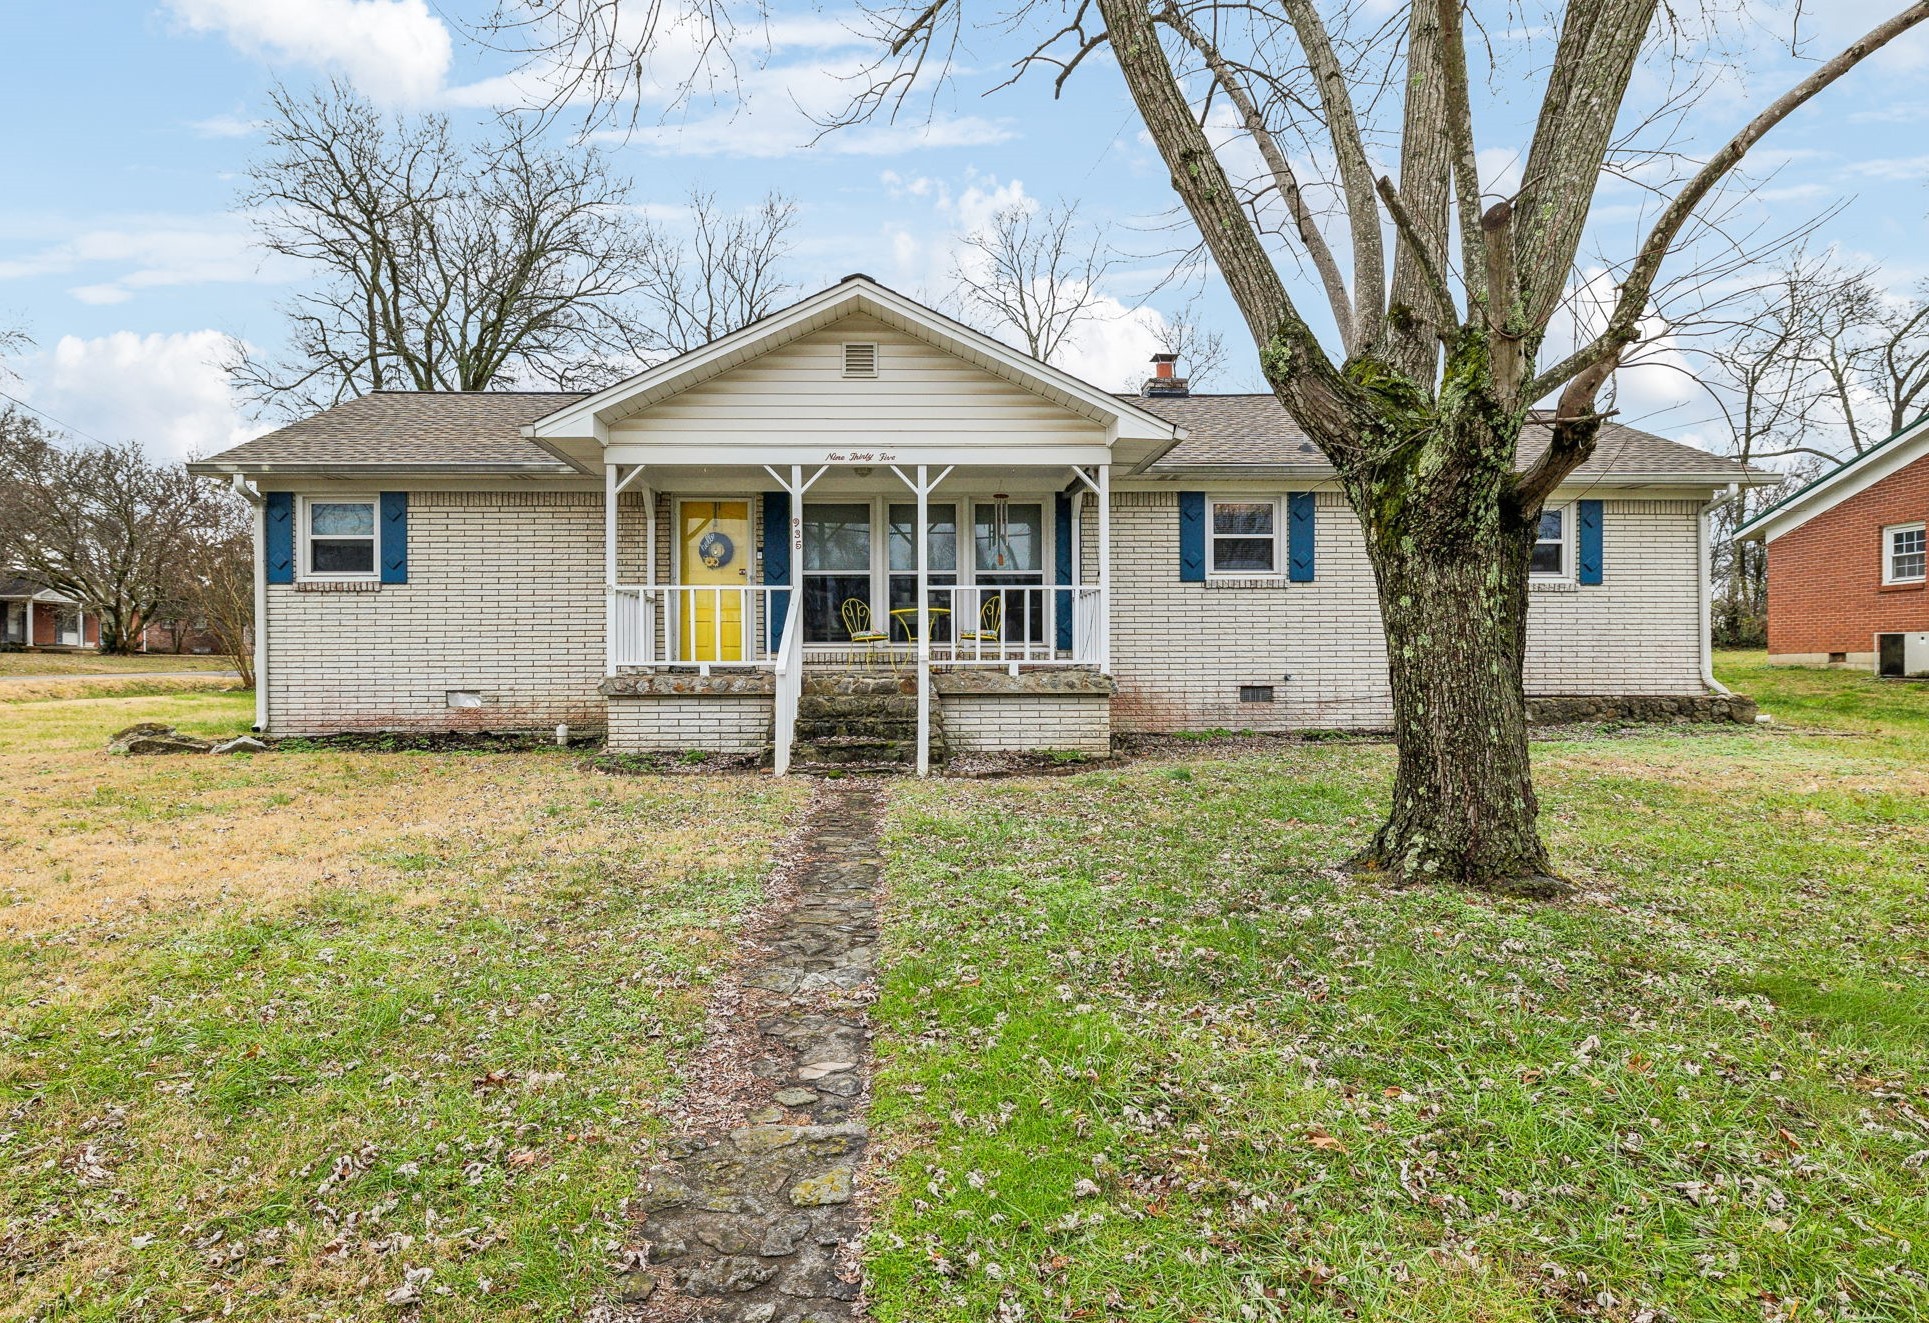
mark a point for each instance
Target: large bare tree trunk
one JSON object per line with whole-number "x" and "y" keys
{"x": 1452, "y": 578}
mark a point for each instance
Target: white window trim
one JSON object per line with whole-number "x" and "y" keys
{"x": 303, "y": 574}
{"x": 1566, "y": 572}
{"x": 1889, "y": 537}
{"x": 1281, "y": 552}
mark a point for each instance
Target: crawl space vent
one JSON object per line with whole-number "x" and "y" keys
{"x": 860, "y": 360}
{"x": 1255, "y": 693}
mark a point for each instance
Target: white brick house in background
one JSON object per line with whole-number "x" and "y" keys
{"x": 635, "y": 560}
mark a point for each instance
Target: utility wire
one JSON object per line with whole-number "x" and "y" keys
{"x": 14, "y": 399}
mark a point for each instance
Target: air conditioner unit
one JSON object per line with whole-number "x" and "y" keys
{"x": 1903, "y": 654}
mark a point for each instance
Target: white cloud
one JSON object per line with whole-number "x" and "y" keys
{"x": 134, "y": 253}
{"x": 225, "y": 126}
{"x": 1114, "y": 350}
{"x": 393, "y": 50}
{"x": 168, "y": 392}
{"x": 745, "y": 133}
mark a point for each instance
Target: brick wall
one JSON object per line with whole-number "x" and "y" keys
{"x": 1825, "y": 589}
{"x": 734, "y": 723}
{"x": 1180, "y": 651}
{"x": 1028, "y": 723}
{"x": 504, "y": 597}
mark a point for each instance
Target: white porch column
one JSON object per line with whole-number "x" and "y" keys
{"x": 1105, "y": 568}
{"x": 797, "y": 490}
{"x": 610, "y": 490}
{"x": 924, "y": 621}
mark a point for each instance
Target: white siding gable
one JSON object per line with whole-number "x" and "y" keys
{"x": 799, "y": 392}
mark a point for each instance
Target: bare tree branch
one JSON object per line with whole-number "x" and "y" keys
{"x": 1356, "y": 170}
{"x": 1623, "y": 324}
{"x": 1304, "y": 224}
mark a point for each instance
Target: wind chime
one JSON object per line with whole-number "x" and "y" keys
{"x": 1000, "y": 530}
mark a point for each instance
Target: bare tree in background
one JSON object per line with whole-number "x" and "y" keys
{"x": 445, "y": 266}
{"x": 99, "y": 524}
{"x": 1032, "y": 275}
{"x": 1440, "y": 346}
{"x": 217, "y": 579}
{"x": 727, "y": 274}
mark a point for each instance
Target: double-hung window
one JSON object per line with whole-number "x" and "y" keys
{"x": 1905, "y": 553}
{"x": 1245, "y": 539}
{"x": 338, "y": 538}
{"x": 1553, "y": 555}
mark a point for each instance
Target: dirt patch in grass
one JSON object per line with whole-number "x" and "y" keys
{"x": 94, "y": 663}
{"x": 15, "y": 692}
{"x": 688, "y": 762}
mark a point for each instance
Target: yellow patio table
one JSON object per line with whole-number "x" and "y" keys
{"x": 907, "y": 617}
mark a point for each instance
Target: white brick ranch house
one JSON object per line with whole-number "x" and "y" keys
{"x": 721, "y": 553}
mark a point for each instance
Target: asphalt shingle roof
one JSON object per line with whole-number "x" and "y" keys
{"x": 1256, "y": 429}
{"x": 412, "y": 429}
{"x": 475, "y": 430}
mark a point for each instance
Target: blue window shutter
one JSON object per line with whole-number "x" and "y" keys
{"x": 1192, "y": 537}
{"x": 1062, "y": 547}
{"x": 1588, "y": 514}
{"x": 280, "y": 551}
{"x": 1299, "y": 536}
{"x": 777, "y": 559}
{"x": 395, "y": 537}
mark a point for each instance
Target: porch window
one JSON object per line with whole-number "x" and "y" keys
{"x": 1009, "y": 542}
{"x": 17, "y": 623}
{"x": 1245, "y": 538}
{"x": 67, "y": 628}
{"x": 941, "y": 563}
{"x": 1551, "y": 556}
{"x": 837, "y": 567}
{"x": 1906, "y": 557}
{"x": 341, "y": 539}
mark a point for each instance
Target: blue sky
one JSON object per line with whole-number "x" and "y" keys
{"x": 122, "y": 255}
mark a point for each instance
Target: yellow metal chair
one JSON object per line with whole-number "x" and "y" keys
{"x": 991, "y": 623}
{"x": 857, "y": 623}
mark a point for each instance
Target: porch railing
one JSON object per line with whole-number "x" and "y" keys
{"x": 790, "y": 688}
{"x": 1002, "y": 625}
{"x": 694, "y": 625}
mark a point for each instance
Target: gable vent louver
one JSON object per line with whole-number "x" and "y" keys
{"x": 860, "y": 359}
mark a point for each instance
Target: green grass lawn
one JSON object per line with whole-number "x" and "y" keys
{"x": 276, "y": 1031}
{"x": 94, "y": 663}
{"x": 1146, "y": 1055}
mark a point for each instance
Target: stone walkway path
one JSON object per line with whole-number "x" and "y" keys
{"x": 756, "y": 1223}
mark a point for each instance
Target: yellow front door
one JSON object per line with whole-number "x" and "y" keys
{"x": 714, "y": 551}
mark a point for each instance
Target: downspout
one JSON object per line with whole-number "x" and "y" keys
{"x": 1704, "y": 583}
{"x": 248, "y": 492}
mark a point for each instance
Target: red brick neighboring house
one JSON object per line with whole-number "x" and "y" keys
{"x": 1846, "y": 562}
{"x": 35, "y": 617}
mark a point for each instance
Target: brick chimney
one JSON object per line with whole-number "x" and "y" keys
{"x": 1164, "y": 380}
